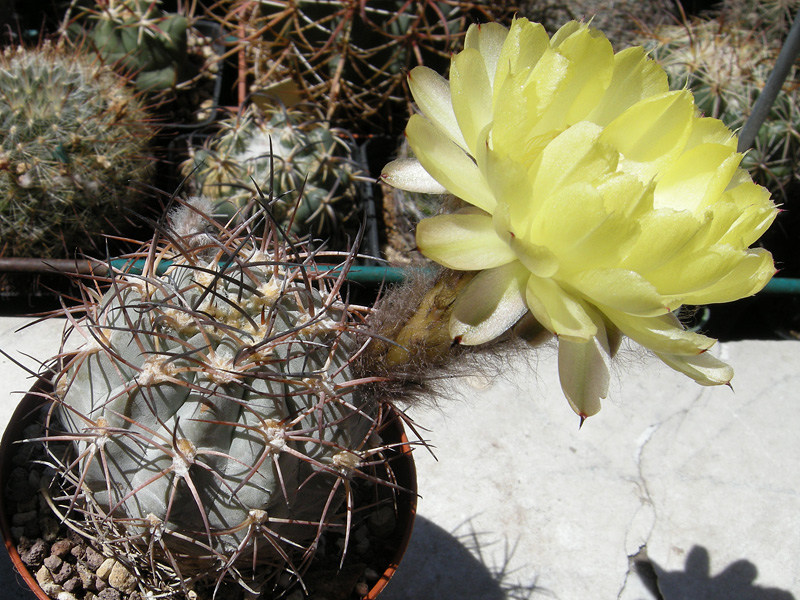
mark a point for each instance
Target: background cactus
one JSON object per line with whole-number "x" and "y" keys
{"x": 287, "y": 150}
{"x": 352, "y": 57}
{"x": 75, "y": 138}
{"x": 140, "y": 39}
{"x": 217, "y": 422}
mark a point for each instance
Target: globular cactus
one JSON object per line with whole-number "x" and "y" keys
{"x": 308, "y": 165}
{"x": 218, "y": 426}
{"x": 352, "y": 57}
{"x": 140, "y": 39}
{"x": 725, "y": 62}
{"x": 74, "y": 139}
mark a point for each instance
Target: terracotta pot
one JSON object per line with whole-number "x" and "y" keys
{"x": 392, "y": 432}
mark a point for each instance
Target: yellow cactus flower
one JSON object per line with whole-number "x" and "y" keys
{"x": 601, "y": 201}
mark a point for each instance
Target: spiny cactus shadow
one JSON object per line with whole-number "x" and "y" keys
{"x": 442, "y": 565}
{"x": 734, "y": 582}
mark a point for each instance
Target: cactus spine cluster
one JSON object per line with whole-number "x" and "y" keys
{"x": 74, "y": 138}
{"x": 308, "y": 165}
{"x": 353, "y": 57}
{"x": 218, "y": 426}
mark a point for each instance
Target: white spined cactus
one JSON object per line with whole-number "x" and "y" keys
{"x": 218, "y": 427}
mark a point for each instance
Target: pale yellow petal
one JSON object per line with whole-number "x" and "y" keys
{"x": 521, "y": 102}
{"x": 538, "y": 259}
{"x": 625, "y": 194}
{"x": 602, "y": 246}
{"x": 748, "y": 277}
{"x": 508, "y": 179}
{"x": 706, "y": 130}
{"x": 576, "y": 155}
{"x": 635, "y": 78}
{"x": 696, "y": 271}
{"x": 565, "y": 31}
{"x": 488, "y": 40}
{"x": 665, "y": 234}
{"x": 663, "y": 334}
{"x": 448, "y": 163}
{"x": 622, "y": 290}
{"x": 652, "y": 133}
{"x": 590, "y": 72}
{"x": 559, "y": 311}
{"x": 491, "y": 303}
{"x": 408, "y": 174}
{"x": 583, "y": 370}
{"x": 524, "y": 45}
{"x": 741, "y": 216}
{"x": 705, "y": 368}
{"x": 576, "y": 227}
{"x": 431, "y": 92}
{"x": 464, "y": 242}
{"x": 471, "y": 92}
{"x": 697, "y": 178}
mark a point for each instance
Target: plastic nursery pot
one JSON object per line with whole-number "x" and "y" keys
{"x": 30, "y": 412}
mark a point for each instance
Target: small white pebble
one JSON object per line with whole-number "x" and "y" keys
{"x": 44, "y": 576}
{"x": 121, "y": 579}
{"x": 104, "y": 570}
{"x": 52, "y": 589}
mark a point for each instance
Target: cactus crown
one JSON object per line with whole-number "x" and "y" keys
{"x": 290, "y": 150}
{"x": 218, "y": 430}
{"x": 74, "y": 138}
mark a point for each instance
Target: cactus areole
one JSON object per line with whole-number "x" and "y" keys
{"x": 216, "y": 422}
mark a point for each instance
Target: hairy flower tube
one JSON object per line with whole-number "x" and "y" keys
{"x": 600, "y": 201}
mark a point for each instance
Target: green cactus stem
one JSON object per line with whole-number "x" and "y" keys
{"x": 140, "y": 39}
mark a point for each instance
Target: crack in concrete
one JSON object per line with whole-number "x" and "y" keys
{"x": 646, "y": 505}
{"x": 638, "y": 559}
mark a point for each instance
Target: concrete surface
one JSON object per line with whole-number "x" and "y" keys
{"x": 673, "y": 491}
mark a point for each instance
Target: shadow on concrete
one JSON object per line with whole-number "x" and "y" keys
{"x": 441, "y": 565}
{"x": 734, "y": 582}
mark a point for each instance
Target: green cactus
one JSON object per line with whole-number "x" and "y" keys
{"x": 217, "y": 423}
{"x": 353, "y": 57}
{"x": 74, "y": 139}
{"x": 288, "y": 151}
{"x": 726, "y": 64}
{"x": 141, "y": 40}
